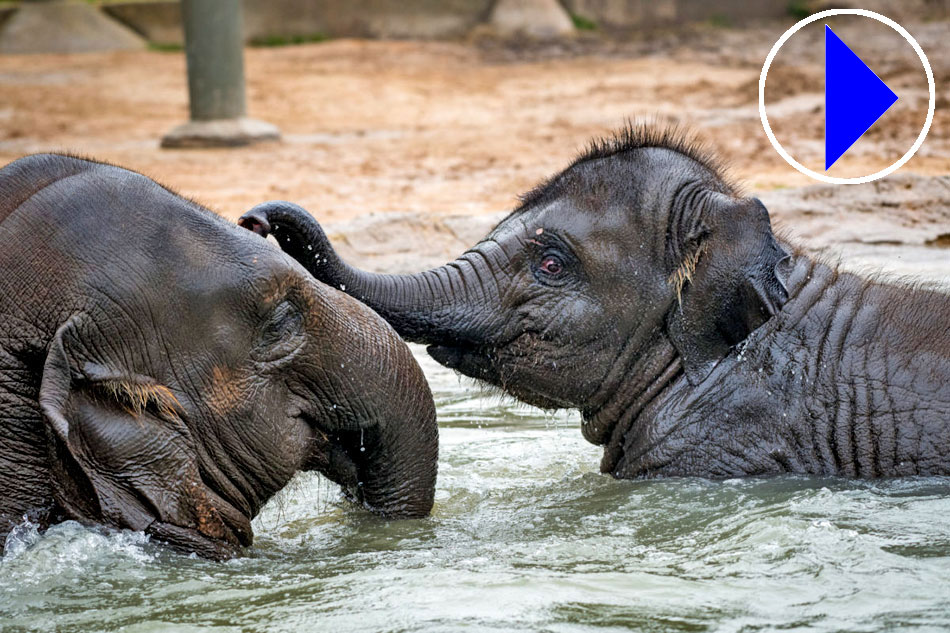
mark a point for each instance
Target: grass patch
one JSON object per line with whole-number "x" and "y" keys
{"x": 288, "y": 40}
{"x": 165, "y": 47}
{"x": 104, "y": 2}
{"x": 720, "y": 21}
{"x": 583, "y": 24}
{"x": 798, "y": 9}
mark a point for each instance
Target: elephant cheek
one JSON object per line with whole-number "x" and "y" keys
{"x": 226, "y": 394}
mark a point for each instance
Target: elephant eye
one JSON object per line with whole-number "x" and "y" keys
{"x": 282, "y": 333}
{"x": 551, "y": 265}
{"x": 551, "y": 262}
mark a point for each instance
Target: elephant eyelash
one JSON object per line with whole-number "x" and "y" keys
{"x": 136, "y": 398}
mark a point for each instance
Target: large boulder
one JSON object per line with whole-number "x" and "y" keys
{"x": 539, "y": 19}
{"x": 64, "y": 27}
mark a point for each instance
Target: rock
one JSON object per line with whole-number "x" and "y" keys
{"x": 158, "y": 21}
{"x": 407, "y": 242}
{"x": 896, "y": 227}
{"x": 539, "y": 19}
{"x": 60, "y": 27}
{"x": 903, "y": 208}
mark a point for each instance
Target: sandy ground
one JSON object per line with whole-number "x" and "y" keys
{"x": 428, "y": 131}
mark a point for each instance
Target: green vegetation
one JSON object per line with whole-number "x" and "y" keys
{"x": 101, "y": 2}
{"x": 720, "y": 21}
{"x": 799, "y": 9}
{"x": 288, "y": 40}
{"x": 583, "y": 24}
{"x": 165, "y": 47}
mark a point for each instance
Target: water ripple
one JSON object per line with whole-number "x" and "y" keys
{"x": 525, "y": 535}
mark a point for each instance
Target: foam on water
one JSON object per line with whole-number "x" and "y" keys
{"x": 525, "y": 535}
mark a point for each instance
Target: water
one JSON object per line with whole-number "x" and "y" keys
{"x": 525, "y": 536}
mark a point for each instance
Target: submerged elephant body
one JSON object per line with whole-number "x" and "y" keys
{"x": 163, "y": 370}
{"x": 639, "y": 287}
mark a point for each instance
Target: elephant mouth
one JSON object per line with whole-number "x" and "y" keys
{"x": 337, "y": 456}
{"x": 480, "y": 362}
{"x": 472, "y": 360}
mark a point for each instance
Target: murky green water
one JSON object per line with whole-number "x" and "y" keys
{"x": 525, "y": 536}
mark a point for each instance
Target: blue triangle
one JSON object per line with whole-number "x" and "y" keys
{"x": 854, "y": 98}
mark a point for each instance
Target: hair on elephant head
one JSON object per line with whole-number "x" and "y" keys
{"x": 626, "y": 286}
{"x": 166, "y": 371}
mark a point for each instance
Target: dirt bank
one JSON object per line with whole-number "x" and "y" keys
{"x": 453, "y": 130}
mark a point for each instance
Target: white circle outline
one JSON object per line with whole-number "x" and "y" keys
{"x": 834, "y": 180}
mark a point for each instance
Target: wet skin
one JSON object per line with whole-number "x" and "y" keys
{"x": 641, "y": 288}
{"x": 164, "y": 370}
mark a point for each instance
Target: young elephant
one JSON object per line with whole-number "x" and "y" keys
{"x": 163, "y": 370}
{"x": 639, "y": 287}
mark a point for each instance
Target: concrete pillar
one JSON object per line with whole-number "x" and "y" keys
{"x": 214, "y": 49}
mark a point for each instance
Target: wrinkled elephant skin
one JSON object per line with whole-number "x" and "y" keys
{"x": 641, "y": 288}
{"x": 164, "y": 370}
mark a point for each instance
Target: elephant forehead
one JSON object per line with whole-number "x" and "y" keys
{"x": 605, "y": 235}
{"x": 582, "y": 217}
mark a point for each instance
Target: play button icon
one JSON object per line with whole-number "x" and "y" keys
{"x": 854, "y": 100}
{"x": 854, "y": 97}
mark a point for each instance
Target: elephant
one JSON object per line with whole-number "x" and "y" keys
{"x": 165, "y": 371}
{"x": 640, "y": 287}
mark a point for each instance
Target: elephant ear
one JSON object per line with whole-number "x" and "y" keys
{"x": 121, "y": 454}
{"x": 726, "y": 278}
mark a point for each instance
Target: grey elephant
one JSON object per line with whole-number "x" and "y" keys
{"x": 641, "y": 288}
{"x": 163, "y": 370}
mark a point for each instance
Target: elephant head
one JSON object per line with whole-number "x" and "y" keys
{"x": 185, "y": 369}
{"x": 638, "y": 264}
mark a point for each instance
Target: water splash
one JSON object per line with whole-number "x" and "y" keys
{"x": 525, "y": 535}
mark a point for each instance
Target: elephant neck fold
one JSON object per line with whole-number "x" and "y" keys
{"x": 644, "y": 372}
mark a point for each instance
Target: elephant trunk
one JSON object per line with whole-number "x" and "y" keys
{"x": 378, "y": 439}
{"x": 397, "y": 459}
{"x": 444, "y": 305}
